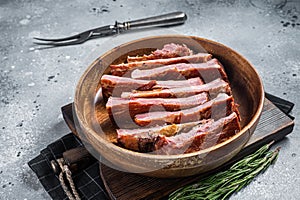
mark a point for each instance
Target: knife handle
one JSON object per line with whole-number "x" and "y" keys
{"x": 76, "y": 159}
{"x": 175, "y": 18}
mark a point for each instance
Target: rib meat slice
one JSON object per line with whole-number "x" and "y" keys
{"x": 121, "y": 69}
{"x": 178, "y": 83}
{"x": 116, "y": 85}
{"x": 221, "y": 106}
{"x": 208, "y": 71}
{"x": 213, "y": 88}
{"x": 119, "y": 107}
{"x": 143, "y": 139}
{"x": 169, "y": 51}
{"x": 203, "y": 137}
{"x": 185, "y": 138}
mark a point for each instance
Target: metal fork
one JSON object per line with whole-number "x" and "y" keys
{"x": 175, "y": 18}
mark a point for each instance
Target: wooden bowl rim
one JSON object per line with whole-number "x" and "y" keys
{"x": 245, "y": 129}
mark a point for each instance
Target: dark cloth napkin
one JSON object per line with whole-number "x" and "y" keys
{"x": 88, "y": 181}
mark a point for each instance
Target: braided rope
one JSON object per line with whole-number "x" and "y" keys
{"x": 71, "y": 182}
{"x": 65, "y": 170}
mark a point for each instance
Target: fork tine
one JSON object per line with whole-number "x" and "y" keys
{"x": 62, "y": 43}
{"x": 75, "y": 39}
{"x": 58, "y": 39}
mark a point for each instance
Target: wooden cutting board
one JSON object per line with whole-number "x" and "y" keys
{"x": 273, "y": 125}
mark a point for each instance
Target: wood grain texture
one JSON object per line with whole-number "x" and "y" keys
{"x": 273, "y": 125}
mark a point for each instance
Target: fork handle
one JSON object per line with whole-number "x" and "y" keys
{"x": 175, "y": 18}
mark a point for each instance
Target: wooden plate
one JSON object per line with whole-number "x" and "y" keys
{"x": 247, "y": 90}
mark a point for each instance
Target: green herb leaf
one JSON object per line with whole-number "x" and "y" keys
{"x": 223, "y": 184}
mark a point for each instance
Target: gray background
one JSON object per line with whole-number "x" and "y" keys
{"x": 36, "y": 83}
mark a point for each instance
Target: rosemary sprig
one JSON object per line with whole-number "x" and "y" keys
{"x": 223, "y": 184}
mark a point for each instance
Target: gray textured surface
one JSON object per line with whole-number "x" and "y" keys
{"x": 34, "y": 83}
